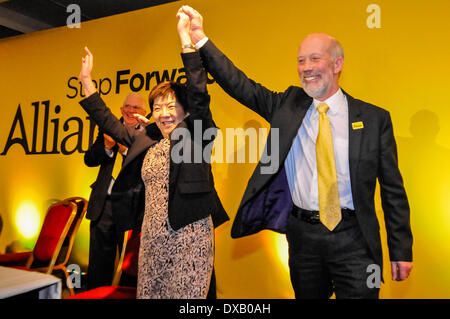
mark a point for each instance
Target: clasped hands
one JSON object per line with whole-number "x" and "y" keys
{"x": 190, "y": 25}
{"x": 190, "y": 30}
{"x": 110, "y": 143}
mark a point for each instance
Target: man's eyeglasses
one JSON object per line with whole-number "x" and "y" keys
{"x": 132, "y": 107}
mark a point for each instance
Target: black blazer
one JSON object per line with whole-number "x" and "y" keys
{"x": 267, "y": 203}
{"x": 96, "y": 156}
{"x": 192, "y": 195}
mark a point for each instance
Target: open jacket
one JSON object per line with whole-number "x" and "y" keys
{"x": 96, "y": 156}
{"x": 192, "y": 195}
{"x": 267, "y": 201}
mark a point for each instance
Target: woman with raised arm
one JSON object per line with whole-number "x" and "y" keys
{"x": 173, "y": 201}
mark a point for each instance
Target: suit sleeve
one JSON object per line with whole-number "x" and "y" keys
{"x": 96, "y": 154}
{"x": 393, "y": 197}
{"x": 237, "y": 84}
{"x": 197, "y": 94}
{"x": 107, "y": 121}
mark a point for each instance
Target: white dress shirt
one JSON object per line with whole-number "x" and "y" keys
{"x": 301, "y": 165}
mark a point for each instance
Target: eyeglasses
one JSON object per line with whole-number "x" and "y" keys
{"x": 132, "y": 107}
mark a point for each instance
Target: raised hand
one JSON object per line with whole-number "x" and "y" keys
{"x": 183, "y": 28}
{"x": 143, "y": 121}
{"x": 184, "y": 24}
{"x": 87, "y": 63}
{"x": 196, "y": 23}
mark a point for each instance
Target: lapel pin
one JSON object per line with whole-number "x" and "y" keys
{"x": 357, "y": 125}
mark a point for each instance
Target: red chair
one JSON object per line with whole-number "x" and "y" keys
{"x": 128, "y": 264}
{"x": 54, "y": 244}
{"x": 66, "y": 249}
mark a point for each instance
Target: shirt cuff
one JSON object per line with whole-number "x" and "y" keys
{"x": 110, "y": 153}
{"x": 201, "y": 43}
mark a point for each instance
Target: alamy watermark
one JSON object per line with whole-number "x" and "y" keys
{"x": 212, "y": 145}
{"x": 374, "y": 279}
{"x": 74, "y": 19}
{"x": 374, "y": 19}
{"x": 74, "y": 278}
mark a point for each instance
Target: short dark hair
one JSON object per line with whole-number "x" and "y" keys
{"x": 166, "y": 88}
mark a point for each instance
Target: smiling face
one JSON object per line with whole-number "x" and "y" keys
{"x": 133, "y": 104}
{"x": 318, "y": 66}
{"x": 167, "y": 113}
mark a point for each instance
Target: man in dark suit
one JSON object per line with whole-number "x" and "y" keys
{"x": 104, "y": 235}
{"x": 322, "y": 196}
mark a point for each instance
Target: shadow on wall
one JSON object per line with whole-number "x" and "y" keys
{"x": 425, "y": 167}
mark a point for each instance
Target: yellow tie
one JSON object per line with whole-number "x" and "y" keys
{"x": 329, "y": 204}
{"x": 117, "y": 165}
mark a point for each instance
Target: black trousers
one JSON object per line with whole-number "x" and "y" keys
{"x": 323, "y": 261}
{"x": 104, "y": 241}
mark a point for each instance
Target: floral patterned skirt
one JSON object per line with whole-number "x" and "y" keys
{"x": 172, "y": 264}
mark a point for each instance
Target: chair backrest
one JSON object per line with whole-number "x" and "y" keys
{"x": 56, "y": 224}
{"x": 67, "y": 245}
{"x": 128, "y": 261}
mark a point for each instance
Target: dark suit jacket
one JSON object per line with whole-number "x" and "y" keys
{"x": 192, "y": 195}
{"x": 267, "y": 202}
{"x": 96, "y": 156}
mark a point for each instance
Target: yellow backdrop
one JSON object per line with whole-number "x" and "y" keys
{"x": 397, "y": 57}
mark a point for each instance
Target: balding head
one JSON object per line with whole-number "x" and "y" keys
{"x": 332, "y": 45}
{"x": 134, "y": 103}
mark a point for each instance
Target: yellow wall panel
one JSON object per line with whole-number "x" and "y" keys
{"x": 402, "y": 66}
